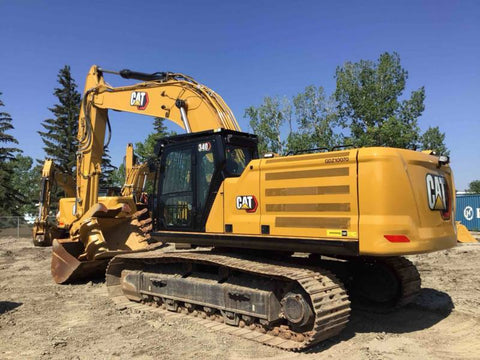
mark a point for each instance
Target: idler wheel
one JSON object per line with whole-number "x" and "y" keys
{"x": 297, "y": 310}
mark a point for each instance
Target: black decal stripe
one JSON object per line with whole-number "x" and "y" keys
{"x": 308, "y": 190}
{"x": 303, "y": 174}
{"x": 308, "y": 207}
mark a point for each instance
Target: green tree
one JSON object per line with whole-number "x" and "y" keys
{"x": 317, "y": 120}
{"x": 117, "y": 176}
{"x": 266, "y": 121}
{"x": 7, "y": 150}
{"x": 106, "y": 178}
{"x": 474, "y": 187}
{"x": 60, "y": 131}
{"x": 434, "y": 139}
{"x": 369, "y": 105}
{"x": 10, "y": 200}
{"x": 145, "y": 150}
{"x": 25, "y": 181}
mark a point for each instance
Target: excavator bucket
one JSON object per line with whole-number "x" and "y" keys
{"x": 41, "y": 236}
{"x": 100, "y": 238}
{"x": 463, "y": 235}
{"x": 67, "y": 268}
{"x": 44, "y": 232}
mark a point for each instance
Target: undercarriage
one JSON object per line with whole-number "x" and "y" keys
{"x": 293, "y": 304}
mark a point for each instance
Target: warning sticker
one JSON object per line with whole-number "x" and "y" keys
{"x": 341, "y": 233}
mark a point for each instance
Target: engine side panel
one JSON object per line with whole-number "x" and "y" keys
{"x": 312, "y": 195}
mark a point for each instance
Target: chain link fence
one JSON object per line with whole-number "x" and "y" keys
{"x": 15, "y": 226}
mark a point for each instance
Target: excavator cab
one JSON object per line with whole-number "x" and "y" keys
{"x": 191, "y": 169}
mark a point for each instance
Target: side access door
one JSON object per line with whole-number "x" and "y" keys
{"x": 311, "y": 196}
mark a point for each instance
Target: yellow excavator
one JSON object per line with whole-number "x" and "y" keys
{"x": 281, "y": 245}
{"x": 122, "y": 218}
{"x": 44, "y": 230}
{"x": 136, "y": 177}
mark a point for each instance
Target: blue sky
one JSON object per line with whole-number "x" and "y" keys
{"x": 244, "y": 50}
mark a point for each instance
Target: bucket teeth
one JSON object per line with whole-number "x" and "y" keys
{"x": 97, "y": 240}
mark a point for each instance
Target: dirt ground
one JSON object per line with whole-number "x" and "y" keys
{"x": 42, "y": 320}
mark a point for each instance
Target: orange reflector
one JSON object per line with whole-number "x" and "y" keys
{"x": 397, "y": 238}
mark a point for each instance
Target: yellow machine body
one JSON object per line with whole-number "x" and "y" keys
{"x": 368, "y": 201}
{"x": 352, "y": 212}
{"x": 317, "y": 196}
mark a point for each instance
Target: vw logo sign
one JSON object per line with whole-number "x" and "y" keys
{"x": 468, "y": 213}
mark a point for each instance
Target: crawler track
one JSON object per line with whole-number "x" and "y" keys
{"x": 405, "y": 283}
{"x": 409, "y": 277}
{"x": 327, "y": 296}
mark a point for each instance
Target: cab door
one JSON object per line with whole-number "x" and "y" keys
{"x": 207, "y": 179}
{"x": 176, "y": 184}
{"x": 186, "y": 176}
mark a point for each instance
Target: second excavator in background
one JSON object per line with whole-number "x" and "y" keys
{"x": 44, "y": 230}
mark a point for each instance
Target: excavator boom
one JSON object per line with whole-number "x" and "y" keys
{"x": 105, "y": 227}
{"x": 174, "y": 96}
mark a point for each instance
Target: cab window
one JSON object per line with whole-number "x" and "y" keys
{"x": 177, "y": 191}
{"x": 236, "y": 159}
{"x": 205, "y": 172}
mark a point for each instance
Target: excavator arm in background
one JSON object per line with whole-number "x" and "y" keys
{"x": 104, "y": 228}
{"x": 136, "y": 176}
{"x": 44, "y": 231}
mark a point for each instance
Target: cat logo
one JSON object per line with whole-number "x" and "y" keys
{"x": 247, "y": 202}
{"x": 436, "y": 192}
{"x": 139, "y": 99}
